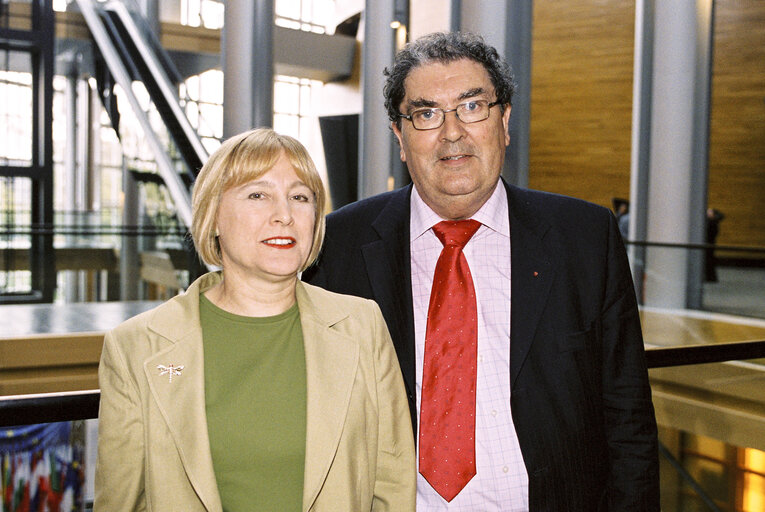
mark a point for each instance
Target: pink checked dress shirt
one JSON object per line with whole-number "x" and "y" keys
{"x": 501, "y": 482}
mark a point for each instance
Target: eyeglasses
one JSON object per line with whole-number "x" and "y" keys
{"x": 432, "y": 118}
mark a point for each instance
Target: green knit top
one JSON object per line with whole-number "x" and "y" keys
{"x": 255, "y": 396}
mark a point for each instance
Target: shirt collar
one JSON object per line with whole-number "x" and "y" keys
{"x": 493, "y": 214}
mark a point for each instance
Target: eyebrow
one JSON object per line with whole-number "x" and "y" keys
{"x": 422, "y": 102}
{"x": 270, "y": 184}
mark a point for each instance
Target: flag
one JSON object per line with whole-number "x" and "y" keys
{"x": 42, "y": 469}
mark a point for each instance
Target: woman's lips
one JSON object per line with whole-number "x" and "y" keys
{"x": 280, "y": 242}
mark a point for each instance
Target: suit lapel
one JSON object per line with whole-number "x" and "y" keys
{"x": 331, "y": 364}
{"x": 181, "y": 400}
{"x": 388, "y": 265}
{"x": 532, "y": 275}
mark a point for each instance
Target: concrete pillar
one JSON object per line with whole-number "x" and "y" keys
{"x": 70, "y": 148}
{"x": 82, "y": 176}
{"x": 375, "y": 137}
{"x": 455, "y": 15}
{"x": 130, "y": 265}
{"x": 71, "y": 286}
{"x": 642, "y": 91}
{"x": 93, "y": 157}
{"x": 248, "y": 65}
{"x": 507, "y": 27}
{"x": 700, "y": 150}
{"x": 83, "y": 147}
{"x": 518, "y": 54}
{"x": 674, "y": 191}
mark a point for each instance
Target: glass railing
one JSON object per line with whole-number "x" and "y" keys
{"x": 706, "y": 368}
{"x": 691, "y": 479}
{"x": 91, "y": 247}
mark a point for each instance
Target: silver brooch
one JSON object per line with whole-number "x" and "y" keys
{"x": 170, "y": 370}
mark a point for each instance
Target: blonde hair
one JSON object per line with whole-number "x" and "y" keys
{"x": 240, "y": 159}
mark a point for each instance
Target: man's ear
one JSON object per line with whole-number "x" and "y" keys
{"x": 397, "y": 132}
{"x": 506, "y": 123}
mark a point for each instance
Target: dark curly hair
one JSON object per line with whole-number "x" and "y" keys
{"x": 445, "y": 47}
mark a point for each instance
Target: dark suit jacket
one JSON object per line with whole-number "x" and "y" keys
{"x": 581, "y": 401}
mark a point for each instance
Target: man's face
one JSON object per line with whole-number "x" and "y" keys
{"x": 455, "y": 167}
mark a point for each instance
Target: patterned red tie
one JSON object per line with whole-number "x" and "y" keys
{"x": 447, "y": 409}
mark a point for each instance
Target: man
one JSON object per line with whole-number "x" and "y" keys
{"x": 532, "y": 392}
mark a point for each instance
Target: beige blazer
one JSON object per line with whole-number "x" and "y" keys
{"x": 153, "y": 448}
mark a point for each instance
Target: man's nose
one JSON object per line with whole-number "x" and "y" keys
{"x": 452, "y": 129}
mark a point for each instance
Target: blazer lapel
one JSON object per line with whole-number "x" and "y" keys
{"x": 389, "y": 268}
{"x": 532, "y": 275}
{"x": 331, "y": 364}
{"x": 181, "y": 399}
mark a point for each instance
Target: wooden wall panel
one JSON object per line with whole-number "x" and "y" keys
{"x": 737, "y": 127}
{"x": 48, "y": 363}
{"x": 581, "y": 98}
{"x": 581, "y": 107}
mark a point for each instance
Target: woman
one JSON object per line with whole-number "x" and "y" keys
{"x": 253, "y": 390}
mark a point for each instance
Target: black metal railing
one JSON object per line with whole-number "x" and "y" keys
{"x": 80, "y": 405}
{"x": 662, "y": 357}
{"x": 48, "y": 407}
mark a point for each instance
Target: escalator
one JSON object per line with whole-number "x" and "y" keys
{"x": 129, "y": 55}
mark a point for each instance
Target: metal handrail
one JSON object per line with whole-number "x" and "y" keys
{"x": 77, "y": 405}
{"x": 49, "y": 407}
{"x": 175, "y": 185}
{"x": 163, "y": 82}
{"x": 718, "y": 247}
{"x": 662, "y": 357}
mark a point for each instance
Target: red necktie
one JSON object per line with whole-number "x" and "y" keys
{"x": 447, "y": 409}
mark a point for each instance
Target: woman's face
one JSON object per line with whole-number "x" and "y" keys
{"x": 265, "y": 226}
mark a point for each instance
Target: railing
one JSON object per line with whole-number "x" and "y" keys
{"x": 663, "y": 357}
{"x": 48, "y": 407}
{"x": 66, "y": 406}
{"x": 79, "y": 405}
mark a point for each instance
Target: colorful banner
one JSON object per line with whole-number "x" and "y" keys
{"x": 41, "y": 469}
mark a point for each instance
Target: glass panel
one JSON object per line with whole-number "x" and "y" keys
{"x": 15, "y": 210}
{"x": 288, "y": 9}
{"x": 305, "y": 97}
{"x": 211, "y": 144}
{"x": 283, "y": 22}
{"x": 323, "y": 12}
{"x": 190, "y": 13}
{"x": 212, "y": 14}
{"x": 15, "y": 241}
{"x": 306, "y": 129}
{"x": 211, "y": 86}
{"x": 754, "y": 492}
{"x": 308, "y": 15}
{"x": 286, "y": 97}
{"x": 15, "y": 15}
{"x": 15, "y": 108}
{"x": 213, "y": 119}
{"x": 204, "y": 107}
{"x": 754, "y": 482}
{"x": 731, "y": 476}
{"x": 192, "y": 113}
{"x": 192, "y": 87}
{"x": 287, "y": 125}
